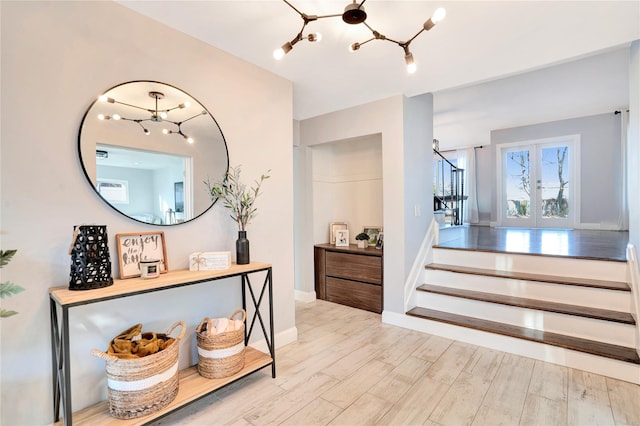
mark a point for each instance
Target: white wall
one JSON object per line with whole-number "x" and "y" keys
{"x": 56, "y": 57}
{"x": 465, "y": 116}
{"x": 347, "y": 185}
{"x": 404, "y": 126}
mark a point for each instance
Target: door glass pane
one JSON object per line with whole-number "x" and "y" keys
{"x": 518, "y": 184}
{"x": 554, "y": 182}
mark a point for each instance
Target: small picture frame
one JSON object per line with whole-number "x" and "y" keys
{"x": 342, "y": 238}
{"x": 139, "y": 246}
{"x": 372, "y": 232}
{"x": 380, "y": 243}
{"x": 333, "y": 227}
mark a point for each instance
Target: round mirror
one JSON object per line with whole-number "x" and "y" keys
{"x": 148, "y": 147}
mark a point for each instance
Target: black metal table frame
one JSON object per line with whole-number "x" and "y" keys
{"x": 61, "y": 368}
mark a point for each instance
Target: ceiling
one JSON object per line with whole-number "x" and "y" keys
{"x": 479, "y": 41}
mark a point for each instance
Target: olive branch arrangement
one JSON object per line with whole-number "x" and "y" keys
{"x": 236, "y": 196}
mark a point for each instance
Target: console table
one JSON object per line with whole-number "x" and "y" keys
{"x": 192, "y": 386}
{"x": 349, "y": 275}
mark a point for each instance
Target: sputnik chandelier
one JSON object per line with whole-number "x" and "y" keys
{"x": 355, "y": 14}
{"x": 157, "y": 115}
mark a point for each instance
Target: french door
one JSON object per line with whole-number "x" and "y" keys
{"x": 539, "y": 183}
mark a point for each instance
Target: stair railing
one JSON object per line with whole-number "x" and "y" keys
{"x": 449, "y": 196}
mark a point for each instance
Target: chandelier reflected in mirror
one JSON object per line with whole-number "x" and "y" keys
{"x": 156, "y": 115}
{"x": 354, "y": 14}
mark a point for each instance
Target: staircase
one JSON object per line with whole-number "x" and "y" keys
{"x": 577, "y": 313}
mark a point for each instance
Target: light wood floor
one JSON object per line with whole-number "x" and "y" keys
{"x": 347, "y": 368}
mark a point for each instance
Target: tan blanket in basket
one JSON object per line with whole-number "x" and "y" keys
{"x": 132, "y": 343}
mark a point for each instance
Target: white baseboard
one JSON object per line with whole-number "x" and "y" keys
{"x": 552, "y": 354}
{"x": 305, "y": 296}
{"x": 281, "y": 339}
{"x": 590, "y": 226}
{"x": 599, "y": 226}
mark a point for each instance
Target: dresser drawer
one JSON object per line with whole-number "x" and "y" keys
{"x": 355, "y": 294}
{"x": 354, "y": 267}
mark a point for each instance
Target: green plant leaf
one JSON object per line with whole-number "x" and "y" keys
{"x": 5, "y": 256}
{"x": 5, "y": 314}
{"x": 8, "y": 289}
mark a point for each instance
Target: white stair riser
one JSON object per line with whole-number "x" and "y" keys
{"x": 548, "y": 265}
{"x": 586, "y": 328}
{"x": 574, "y": 359}
{"x": 569, "y": 294}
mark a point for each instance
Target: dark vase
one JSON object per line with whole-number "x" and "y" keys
{"x": 242, "y": 248}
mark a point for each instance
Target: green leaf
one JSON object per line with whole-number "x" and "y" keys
{"x": 5, "y": 314}
{"x": 5, "y": 256}
{"x": 8, "y": 289}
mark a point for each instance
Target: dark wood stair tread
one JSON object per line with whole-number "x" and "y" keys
{"x": 607, "y": 350}
{"x": 540, "y": 305}
{"x": 584, "y": 282}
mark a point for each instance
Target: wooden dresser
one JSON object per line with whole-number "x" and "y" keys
{"x": 349, "y": 276}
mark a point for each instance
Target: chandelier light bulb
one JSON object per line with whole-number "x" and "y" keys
{"x": 354, "y": 46}
{"x": 115, "y": 117}
{"x": 165, "y": 131}
{"x": 190, "y": 140}
{"x": 286, "y": 48}
{"x": 101, "y": 117}
{"x": 439, "y": 15}
{"x": 163, "y": 115}
{"x": 314, "y": 37}
{"x": 102, "y": 98}
{"x": 411, "y": 65}
{"x": 278, "y": 54}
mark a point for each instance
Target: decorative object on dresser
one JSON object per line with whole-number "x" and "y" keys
{"x": 146, "y": 381}
{"x": 362, "y": 239}
{"x": 380, "y": 243}
{"x": 221, "y": 345}
{"x": 90, "y": 260}
{"x": 342, "y": 238}
{"x": 349, "y": 276}
{"x": 373, "y": 232}
{"x": 209, "y": 260}
{"x": 239, "y": 199}
{"x": 333, "y": 227}
{"x": 136, "y": 247}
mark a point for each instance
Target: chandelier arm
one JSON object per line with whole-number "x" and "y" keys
{"x": 399, "y": 43}
{"x": 360, "y": 5}
{"x": 292, "y": 7}
{"x": 367, "y": 41}
{"x": 133, "y": 106}
{"x": 191, "y": 118}
{"x": 329, "y": 16}
{"x": 417, "y": 34}
{"x": 170, "y": 109}
{"x": 138, "y": 121}
{"x": 368, "y": 26}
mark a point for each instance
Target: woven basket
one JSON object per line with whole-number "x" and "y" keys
{"x": 137, "y": 387}
{"x": 220, "y": 355}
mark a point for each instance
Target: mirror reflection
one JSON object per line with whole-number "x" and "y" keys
{"x": 147, "y": 147}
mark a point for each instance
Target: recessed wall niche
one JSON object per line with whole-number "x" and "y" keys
{"x": 347, "y": 185}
